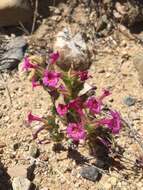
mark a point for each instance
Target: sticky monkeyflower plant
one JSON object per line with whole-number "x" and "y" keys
{"x": 74, "y": 116}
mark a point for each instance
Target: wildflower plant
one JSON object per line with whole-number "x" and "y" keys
{"x": 75, "y": 117}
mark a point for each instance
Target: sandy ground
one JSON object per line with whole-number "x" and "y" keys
{"x": 113, "y": 68}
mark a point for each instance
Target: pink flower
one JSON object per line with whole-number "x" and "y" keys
{"x": 26, "y": 64}
{"x": 32, "y": 117}
{"x": 93, "y": 104}
{"x": 62, "y": 109}
{"x": 105, "y": 92}
{"x": 61, "y": 87}
{"x": 51, "y": 78}
{"x": 35, "y": 83}
{"x": 76, "y": 105}
{"x": 63, "y": 90}
{"x": 83, "y": 75}
{"x": 76, "y": 131}
{"x": 54, "y": 57}
{"x": 113, "y": 123}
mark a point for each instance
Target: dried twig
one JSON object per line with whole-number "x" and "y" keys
{"x": 6, "y": 87}
{"x": 133, "y": 131}
{"x": 35, "y": 15}
{"x": 22, "y": 28}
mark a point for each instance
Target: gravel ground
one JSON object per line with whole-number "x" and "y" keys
{"x": 112, "y": 67}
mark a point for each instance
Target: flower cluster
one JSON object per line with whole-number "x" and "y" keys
{"x": 81, "y": 116}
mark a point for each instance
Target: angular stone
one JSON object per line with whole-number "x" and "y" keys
{"x": 73, "y": 50}
{"x": 12, "y": 12}
{"x": 33, "y": 150}
{"x": 21, "y": 183}
{"x": 14, "y": 52}
{"x": 90, "y": 173}
{"x": 18, "y": 42}
{"x": 129, "y": 101}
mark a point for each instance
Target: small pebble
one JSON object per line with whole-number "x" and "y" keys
{"x": 44, "y": 157}
{"x": 15, "y": 146}
{"x": 2, "y": 145}
{"x": 140, "y": 184}
{"x": 129, "y": 101}
{"x": 107, "y": 186}
{"x": 33, "y": 151}
{"x": 1, "y": 151}
{"x": 113, "y": 181}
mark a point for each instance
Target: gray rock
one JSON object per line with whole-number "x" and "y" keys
{"x": 33, "y": 151}
{"x": 17, "y": 43}
{"x": 21, "y": 183}
{"x": 129, "y": 101}
{"x": 12, "y": 12}
{"x": 90, "y": 173}
{"x": 13, "y": 53}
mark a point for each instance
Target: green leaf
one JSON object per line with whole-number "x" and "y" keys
{"x": 76, "y": 88}
{"x": 56, "y": 136}
{"x": 67, "y": 81}
{"x": 89, "y": 128}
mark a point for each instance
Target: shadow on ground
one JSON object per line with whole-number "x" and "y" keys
{"x": 5, "y": 183}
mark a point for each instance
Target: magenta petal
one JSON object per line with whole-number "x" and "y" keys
{"x": 35, "y": 83}
{"x": 76, "y": 131}
{"x": 32, "y": 117}
{"x": 62, "y": 109}
{"x": 26, "y": 64}
{"x": 51, "y": 78}
{"x": 105, "y": 92}
{"x": 76, "y": 105}
{"x": 83, "y": 75}
{"x": 93, "y": 104}
{"x": 116, "y": 121}
{"x": 113, "y": 123}
{"x": 54, "y": 57}
{"x": 104, "y": 121}
{"x": 61, "y": 87}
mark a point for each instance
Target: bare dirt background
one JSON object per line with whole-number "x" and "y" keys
{"x": 112, "y": 67}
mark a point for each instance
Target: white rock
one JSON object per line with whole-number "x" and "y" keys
{"x": 113, "y": 181}
{"x": 21, "y": 183}
{"x": 73, "y": 50}
{"x": 120, "y": 8}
